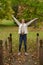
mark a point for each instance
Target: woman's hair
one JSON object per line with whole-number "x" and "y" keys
{"x": 23, "y": 20}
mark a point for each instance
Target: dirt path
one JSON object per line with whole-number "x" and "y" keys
{"x": 14, "y": 59}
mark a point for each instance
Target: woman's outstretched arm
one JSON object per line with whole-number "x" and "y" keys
{"x": 18, "y": 23}
{"x": 28, "y": 23}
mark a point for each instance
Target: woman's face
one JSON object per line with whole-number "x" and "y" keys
{"x": 23, "y": 21}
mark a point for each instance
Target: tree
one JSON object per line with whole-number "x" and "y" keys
{"x": 29, "y": 9}
{"x": 5, "y": 9}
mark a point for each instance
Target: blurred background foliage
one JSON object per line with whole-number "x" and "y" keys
{"x": 27, "y": 9}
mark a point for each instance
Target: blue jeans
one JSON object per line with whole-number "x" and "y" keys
{"x": 23, "y": 38}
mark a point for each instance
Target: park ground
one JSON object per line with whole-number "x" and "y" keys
{"x": 31, "y": 44}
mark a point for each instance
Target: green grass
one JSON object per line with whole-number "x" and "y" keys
{"x": 31, "y": 37}
{"x": 5, "y": 22}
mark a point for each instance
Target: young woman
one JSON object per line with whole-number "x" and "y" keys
{"x": 23, "y": 33}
